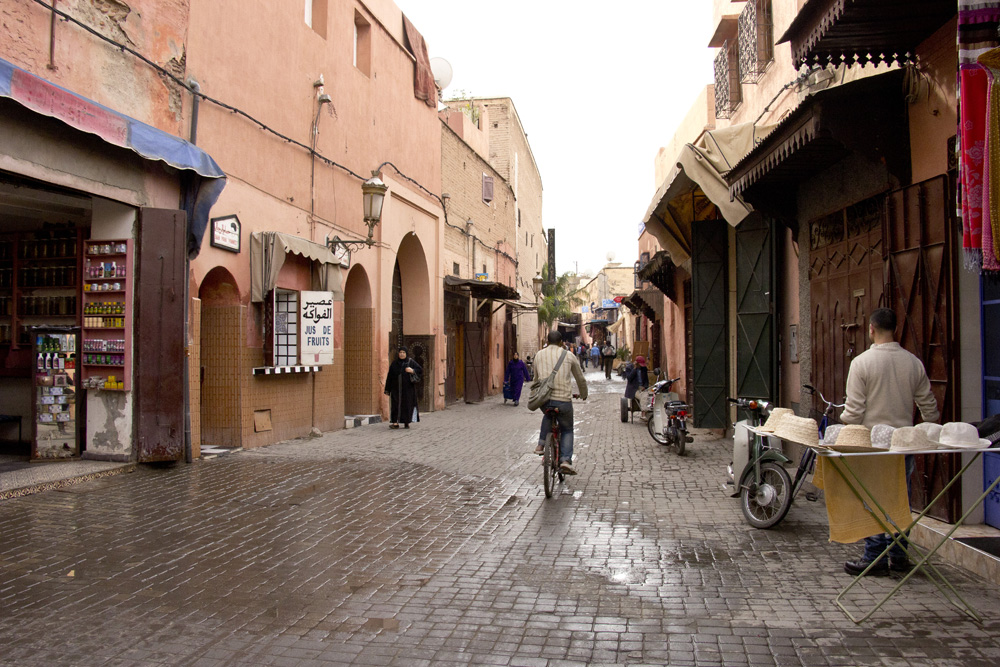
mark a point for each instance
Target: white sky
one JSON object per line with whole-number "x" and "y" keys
{"x": 599, "y": 87}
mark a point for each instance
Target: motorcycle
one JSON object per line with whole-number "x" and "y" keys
{"x": 668, "y": 416}
{"x": 757, "y": 472}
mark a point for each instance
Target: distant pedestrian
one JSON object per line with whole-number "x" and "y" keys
{"x": 514, "y": 378}
{"x": 595, "y": 355}
{"x": 608, "y": 356}
{"x": 401, "y": 388}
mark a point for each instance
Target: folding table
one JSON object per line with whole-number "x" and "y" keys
{"x": 839, "y": 461}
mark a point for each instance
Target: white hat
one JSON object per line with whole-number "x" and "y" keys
{"x": 802, "y": 430}
{"x": 911, "y": 439}
{"x": 831, "y": 433}
{"x": 882, "y": 435}
{"x": 932, "y": 430}
{"x": 962, "y": 436}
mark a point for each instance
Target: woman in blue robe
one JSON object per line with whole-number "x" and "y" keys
{"x": 514, "y": 378}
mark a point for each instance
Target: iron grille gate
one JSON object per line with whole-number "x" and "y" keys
{"x": 709, "y": 258}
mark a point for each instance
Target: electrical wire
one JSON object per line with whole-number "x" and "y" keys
{"x": 164, "y": 72}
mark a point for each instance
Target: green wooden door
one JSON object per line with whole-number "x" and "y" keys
{"x": 709, "y": 259}
{"x": 756, "y": 350}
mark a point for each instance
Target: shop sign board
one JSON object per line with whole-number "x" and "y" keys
{"x": 316, "y": 316}
{"x": 609, "y": 303}
{"x": 226, "y": 233}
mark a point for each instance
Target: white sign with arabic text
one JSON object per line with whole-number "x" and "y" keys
{"x": 316, "y": 316}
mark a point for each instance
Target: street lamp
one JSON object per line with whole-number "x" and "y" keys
{"x": 373, "y": 196}
{"x": 536, "y": 285}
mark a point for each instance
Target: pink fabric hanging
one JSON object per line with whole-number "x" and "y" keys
{"x": 974, "y": 83}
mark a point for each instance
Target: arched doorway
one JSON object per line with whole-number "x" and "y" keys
{"x": 411, "y": 314}
{"x": 222, "y": 343}
{"x": 359, "y": 348}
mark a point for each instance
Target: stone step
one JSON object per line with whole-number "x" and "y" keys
{"x": 352, "y": 421}
{"x": 978, "y": 561}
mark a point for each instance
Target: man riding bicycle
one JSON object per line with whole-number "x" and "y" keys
{"x": 561, "y": 397}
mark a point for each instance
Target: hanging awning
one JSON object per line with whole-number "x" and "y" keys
{"x": 696, "y": 183}
{"x": 267, "y": 256}
{"x": 866, "y": 116}
{"x": 117, "y": 129}
{"x": 648, "y": 302}
{"x": 864, "y": 31}
{"x": 483, "y": 289}
{"x": 660, "y": 271}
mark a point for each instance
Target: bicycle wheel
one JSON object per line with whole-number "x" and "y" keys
{"x": 550, "y": 465}
{"x": 765, "y": 504}
{"x": 659, "y": 437}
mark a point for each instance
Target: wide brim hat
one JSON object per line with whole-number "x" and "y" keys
{"x": 959, "y": 435}
{"x": 853, "y": 438}
{"x": 911, "y": 439}
{"x": 777, "y": 414}
{"x": 802, "y": 430}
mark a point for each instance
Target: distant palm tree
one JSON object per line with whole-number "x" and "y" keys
{"x": 557, "y": 303}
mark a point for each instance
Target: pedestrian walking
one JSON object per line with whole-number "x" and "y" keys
{"x": 608, "y": 355}
{"x": 595, "y": 355}
{"x": 514, "y": 378}
{"x": 883, "y": 384}
{"x": 401, "y": 388}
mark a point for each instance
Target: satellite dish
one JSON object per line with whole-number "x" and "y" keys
{"x": 611, "y": 257}
{"x": 442, "y": 71}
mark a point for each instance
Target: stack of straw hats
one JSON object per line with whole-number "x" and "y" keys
{"x": 854, "y": 438}
{"x": 802, "y": 430}
{"x": 911, "y": 439}
{"x": 777, "y": 414}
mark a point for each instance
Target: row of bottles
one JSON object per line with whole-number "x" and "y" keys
{"x": 104, "y": 308}
{"x": 57, "y": 275}
{"x": 48, "y": 248}
{"x": 102, "y": 322}
{"x": 103, "y": 345}
{"x": 56, "y": 361}
{"x": 55, "y": 343}
{"x": 105, "y": 270}
{"x": 51, "y": 306}
{"x": 104, "y": 359}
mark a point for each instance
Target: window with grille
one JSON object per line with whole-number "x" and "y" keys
{"x": 728, "y": 94}
{"x": 454, "y": 268}
{"x": 286, "y": 328}
{"x": 755, "y": 32}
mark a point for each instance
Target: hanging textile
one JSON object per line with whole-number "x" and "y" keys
{"x": 978, "y": 22}
{"x": 990, "y": 61}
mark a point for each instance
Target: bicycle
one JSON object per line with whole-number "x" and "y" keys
{"x": 808, "y": 460}
{"x": 550, "y": 453}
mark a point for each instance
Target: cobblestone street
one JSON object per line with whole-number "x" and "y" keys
{"x": 436, "y": 546}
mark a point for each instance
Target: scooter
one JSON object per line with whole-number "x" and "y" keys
{"x": 757, "y": 473}
{"x": 668, "y": 416}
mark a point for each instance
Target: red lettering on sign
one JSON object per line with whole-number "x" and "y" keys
{"x": 41, "y": 96}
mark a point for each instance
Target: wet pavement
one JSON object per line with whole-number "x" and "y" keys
{"x": 437, "y": 546}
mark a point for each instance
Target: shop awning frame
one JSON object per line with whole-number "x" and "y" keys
{"x": 831, "y": 32}
{"x": 117, "y": 129}
{"x": 866, "y": 116}
{"x": 267, "y": 255}
{"x": 483, "y": 289}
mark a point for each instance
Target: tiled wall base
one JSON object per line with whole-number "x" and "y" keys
{"x": 350, "y": 421}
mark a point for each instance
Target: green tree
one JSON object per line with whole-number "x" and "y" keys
{"x": 557, "y": 303}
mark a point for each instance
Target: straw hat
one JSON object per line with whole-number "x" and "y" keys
{"x": 802, "y": 430}
{"x": 911, "y": 439}
{"x": 854, "y": 438}
{"x": 776, "y": 416}
{"x": 962, "y": 436}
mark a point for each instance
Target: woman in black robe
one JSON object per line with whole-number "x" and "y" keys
{"x": 402, "y": 390}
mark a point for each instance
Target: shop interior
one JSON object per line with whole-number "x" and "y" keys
{"x": 43, "y": 231}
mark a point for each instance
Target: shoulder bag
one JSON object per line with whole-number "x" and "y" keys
{"x": 541, "y": 390}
